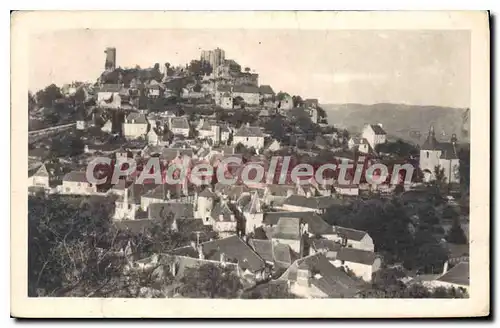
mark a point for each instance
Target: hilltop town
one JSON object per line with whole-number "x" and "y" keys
{"x": 246, "y": 240}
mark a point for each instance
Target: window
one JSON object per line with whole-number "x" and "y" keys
{"x": 67, "y": 190}
{"x": 129, "y": 206}
{"x": 427, "y": 154}
{"x": 247, "y": 139}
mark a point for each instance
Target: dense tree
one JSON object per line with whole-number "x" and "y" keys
{"x": 394, "y": 233}
{"x": 210, "y": 281}
{"x": 74, "y": 250}
{"x": 387, "y": 284}
{"x": 399, "y": 148}
{"x": 297, "y": 101}
{"x": 464, "y": 169}
{"x": 47, "y": 97}
{"x": 456, "y": 234}
{"x": 271, "y": 290}
{"x": 64, "y": 246}
{"x": 31, "y": 102}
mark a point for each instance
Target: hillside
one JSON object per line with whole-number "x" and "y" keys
{"x": 409, "y": 122}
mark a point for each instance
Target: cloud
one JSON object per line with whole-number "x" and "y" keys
{"x": 344, "y": 77}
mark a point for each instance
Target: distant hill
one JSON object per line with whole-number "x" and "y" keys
{"x": 408, "y": 122}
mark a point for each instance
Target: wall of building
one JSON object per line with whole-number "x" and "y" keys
{"x": 134, "y": 130}
{"x": 77, "y": 188}
{"x": 256, "y": 142}
{"x": 249, "y": 98}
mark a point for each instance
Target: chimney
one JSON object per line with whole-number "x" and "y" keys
{"x": 221, "y": 217}
{"x": 248, "y": 124}
{"x": 232, "y": 217}
{"x": 194, "y": 245}
{"x": 380, "y": 124}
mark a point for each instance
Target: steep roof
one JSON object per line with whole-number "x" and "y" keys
{"x": 179, "y": 123}
{"x": 235, "y": 249}
{"x": 207, "y": 193}
{"x": 321, "y": 202}
{"x": 224, "y": 88}
{"x": 330, "y": 245}
{"x": 158, "y": 211}
{"x": 448, "y": 150}
{"x": 356, "y": 255}
{"x": 458, "y": 275}
{"x": 75, "y": 176}
{"x": 224, "y": 210}
{"x": 39, "y": 171}
{"x": 351, "y": 234}
{"x": 253, "y": 206}
{"x": 266, "y": 90}
{"x": 280, "y": 254}
{"x": 310, "y": 102}
{"x": 377, "y": 129}
{"x": 138, "y": 118}
{"x": 245, "y": 89}
{"x": 110, "y": 88}
{"x": 315, "y": 224}
{"x": 287, "y": 228}
{"x": 280, "y": 190}
{"x": 327, "y": 278}
{"x": 249, "y": 131}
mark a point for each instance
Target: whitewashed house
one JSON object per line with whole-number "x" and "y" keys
{"x": 75, "y": 183}
{"x": 179, "y": 126}
{"x": 374, "y": 134}
{"x": 38, "y": 177}
{"x": 135, "y": 126}
{"x": 108, "y": 96}
{"x": 249, "y": 136}
{"x": 362, "y": 263}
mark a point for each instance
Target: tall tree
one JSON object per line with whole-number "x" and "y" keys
{"x": 210, "y": 281}
{"x": 456, "y": 235}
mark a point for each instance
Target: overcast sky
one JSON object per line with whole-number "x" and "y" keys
{"x": 412, "y": 67}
